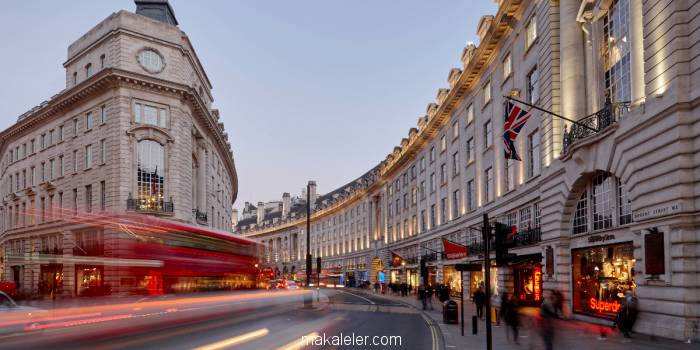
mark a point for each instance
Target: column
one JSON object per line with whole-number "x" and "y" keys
{"x": 573, "y": 91}
{"x": 636, "y": 33}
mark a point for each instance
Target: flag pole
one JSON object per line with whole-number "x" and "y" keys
{"x": 550, "y": 112}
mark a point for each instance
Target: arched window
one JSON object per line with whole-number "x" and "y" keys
{"x": 150, "y": 175}
{"x": 604, "y": 203}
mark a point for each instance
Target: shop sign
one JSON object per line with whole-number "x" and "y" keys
{"x": 641, "y": 215}
{"x": 604, "y": 306}
{"x": 454, "y": 251}
{"x": 600, "y": 238}
{"x": 537, "y": 278}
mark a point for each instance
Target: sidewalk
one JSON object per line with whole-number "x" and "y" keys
{"x": 570, "y": 334}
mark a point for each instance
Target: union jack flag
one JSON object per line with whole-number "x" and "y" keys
{"x": 515, "y": 118}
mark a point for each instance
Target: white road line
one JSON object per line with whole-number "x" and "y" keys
{"x": 235, "y": 340}
{"x": 361, "y": 297}
{"x": 300, "y": 343}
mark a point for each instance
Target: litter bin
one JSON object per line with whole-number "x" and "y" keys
{"x": 450, "y": 312}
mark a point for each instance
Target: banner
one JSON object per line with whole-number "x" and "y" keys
{"x": 453, "y": 250}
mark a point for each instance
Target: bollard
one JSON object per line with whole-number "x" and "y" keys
{"x": 474, "y": 325}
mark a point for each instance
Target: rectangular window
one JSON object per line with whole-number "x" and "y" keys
{"x": 88, "y": 70}
{"x": 470, "y": 150}
{"x": 51, "y": 164}
{"x": 432, "y": 182}
{"x": 60, "y": 204}
{"x": 52, "y": 137}
{"x": 88, "y": 198}
{"x": 432, "y": 215}
{"x": 488, "y": 134}
{"x": 487, "y": 92}
{"x": 75, "y": 161}
{"x": 43, "y": 209}
{"x": 489, "y": 184}
{"x": 616, "y": 51}
{"x": 531, "y": 32}
{"x": 103, "y": 151}
{"x": 422, "y": 163}
{"x": 24, "y": 150}
{"x": 443, "y": 143}
{"x": 103, "y": 195}
{"x": 61, "y": 133}
{"x": 32, "y": 175}
{"x": 470, "y": 195}
{"x": 443, "y": 211}
{"x": 414, "y": 225}
{"x": 103, "y": 114}
{"x": 507, "y": 67}
{"x": 538, "y": 214}
{"x": 533, "y": 153}
{"x": 88, "y": 121}
{"x": 413, "y": 172}
{"x": 432, "y": 154}
{"x": 414, "y": 195}
{"x": 60, "y": 165}
{"x": 43, "y": 141}
{"x": 422, "y": 190}
{"x": 470, "y": 113}
{"x": 443, "y": 173}
{"x": 31, "y": 146}
{"x": 75, "y": 200}
{"x": 455, "y": 164}
{"x": 533, "y": 90}
{"x": 24, "y": 178}
{"x": 75, "y": 127}
{"x": 525, "y": 216}
{"x": 455, "y": 204}
{"x": 455, "y": 130}
{"x": 405, "y": 200}
{"x": 580, "y": 224}
{"x": 88, "y": 156}
{"x": 422, "y": 221}
{"x": 137, "y": 112}
{"x": 43, "y": 172}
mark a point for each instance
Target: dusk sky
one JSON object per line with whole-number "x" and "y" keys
{"x": 318, "y": 90}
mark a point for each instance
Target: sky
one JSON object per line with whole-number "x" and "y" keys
{"x": 308, "y": 90}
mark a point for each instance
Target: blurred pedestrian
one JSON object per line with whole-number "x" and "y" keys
{"x": 496, "y": 304}
{"x": 627, "y": 315}
{"x": 421, "y": 296}
{"x": 549, "y": 316}
{"x": 479, "y": 300}
{"x": 429, "y": 296}
{"x": 511, "y": 316}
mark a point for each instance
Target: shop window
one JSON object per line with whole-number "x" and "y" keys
{"x": 581, "y": 214}
{"x": 601, "y": 277}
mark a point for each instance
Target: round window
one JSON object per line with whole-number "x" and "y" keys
{"x": 151, "y": 60}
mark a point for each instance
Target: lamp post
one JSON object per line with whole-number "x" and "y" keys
{"x": 308, "y": 300}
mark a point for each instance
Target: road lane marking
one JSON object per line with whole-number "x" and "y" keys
{"x": 433, "y": 331}
{"x": 47, "y": 319}
{"x": 77, "y": 322}
{"x": 234, "y": 340}
{"x": 298, "y": 344}
{"x": 361, "y": 297}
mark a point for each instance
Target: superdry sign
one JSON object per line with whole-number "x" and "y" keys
{"x": 453, "y": 250}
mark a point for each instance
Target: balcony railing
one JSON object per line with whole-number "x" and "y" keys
{"x": 150, "y": 205}
{"x": 590, "y": 125}
{"x": 527, "y": 237}
{"x": 201, "y": 217}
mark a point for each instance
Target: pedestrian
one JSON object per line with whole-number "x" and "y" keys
{"x": 429, "y": 296}
{"x": 548, "y": 315}
{"x": 627, "y": 314}
{"x": 479, "y": 300}
{"x": 421, "y": 295}
{"x": 376, "y": 287}
{"x": 511, "y": 316}
{"x": 496, "y": 303}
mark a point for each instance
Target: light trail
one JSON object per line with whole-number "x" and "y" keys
{"x": 298, "y": 344}
{"x": 234, "y": 340}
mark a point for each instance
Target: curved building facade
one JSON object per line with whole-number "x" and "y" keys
{"x": 601, "y": 207}
{"x": 132, "y": 132}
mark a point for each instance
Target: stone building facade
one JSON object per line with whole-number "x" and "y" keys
{"x": 602, "y": 207}
{"x": 133, "y": 131}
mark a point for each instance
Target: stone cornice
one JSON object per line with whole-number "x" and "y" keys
{"x": 111, "y": 78}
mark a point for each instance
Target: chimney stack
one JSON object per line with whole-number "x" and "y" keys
{"x": 286, "y": 200}
{"x": 312, "y": 193}
{"x": 261, "y": 212}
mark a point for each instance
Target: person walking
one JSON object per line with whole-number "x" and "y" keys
{"x": 422, "y": 295}
{"x": 627, "y": 315}
{"x": 548, "y": 315}
{"x": 429, "y": 296}
{"x": 479, "y": 300}
{"x": 511, "y": 317}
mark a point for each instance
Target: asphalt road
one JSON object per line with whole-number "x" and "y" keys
{"x": 236, "y": 320}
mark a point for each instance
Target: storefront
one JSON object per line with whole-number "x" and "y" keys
{"x": 394, "y": 276}
{"x": 528, "y": 284}
{"x": 89, "y": 280}
{"x": 453, "y": 279}
{"x": 601, "y": 277}
{"x": 476, "y": 280}
{"x": 412, "y": 279}
{"x": 432, "y": 275}
{"x": 51, "y": 279}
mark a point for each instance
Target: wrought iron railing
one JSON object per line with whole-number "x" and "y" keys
{"x": 201, "y": 217}
{"x": 527, "y": 237}
{"x": 149, "y": 205}
{"x": 592, "y": 124}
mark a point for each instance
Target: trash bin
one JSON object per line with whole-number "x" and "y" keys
{"x": 450, "y": 312}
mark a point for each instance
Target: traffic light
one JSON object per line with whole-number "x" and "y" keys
{"x": 503, "y": 241}
{"x": 318, "y": 265}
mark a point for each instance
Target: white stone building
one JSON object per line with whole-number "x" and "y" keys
{"x": 133, "y": 131}
{"x": 600, "y": 209}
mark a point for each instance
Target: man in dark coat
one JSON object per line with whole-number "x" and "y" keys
{"x": 479, "y": 300}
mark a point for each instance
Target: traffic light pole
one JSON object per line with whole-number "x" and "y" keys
{"x": 308, "y": 299}
{"x": 487, "y": 278}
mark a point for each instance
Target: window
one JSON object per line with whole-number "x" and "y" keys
{"x": 24, "y": 150}
{"x": 51, "y": 165}
{"x": 443, "y": 173}
{"x": 443, "y": 210}
{"x": 60, "y": 165}
{"x": 75, "y": 200}
{"x": 75, "y": 127}
{"x": 75, "y": 161}
{"x": 443, "y": 143}
{"x": 422, "y": 221}
{"x": 422, "y": 190}
{"x": 75, "y": 78}
{"x": 533, "y": 154}
{"x": 489, "y": 184}
{"x": 538, "y": 214}
{"x": 432, "y": 154}
{"x": 405, "y": 179}
{"x": 413, "y": 172}
{"x": 510, "y": 174}
{"x": 432, "y": 182}
{"x": 488, "y": 134}
{"x": 88, "y": 70}
{"x": 581, "y": 214}
{"x": 103, "y": 114}
{"x": 470, "y": 195}
{"x": 530, "y": 32}
{"x": 88, "y": 198}
{"x": 61, "y": 133}
{"x": 43, "y": 172}
{"x": 525, "y": 216}
{"x": 24, "y": 178}
{"x": 533, "y": 90}
{"x": 470, "y": 150}
{"x": 414, "y": 195}
{"x": 103, "y": 151}
{"x": 43, "y": 209}
{"x": 624, "y": 205}
{"x": 616, "y": 51}
{"x": 88, "y": 121}
{"x": 455, "y": 130}
{"x": 31, "y": 146}
{"x": 150, "y": 178}
{"x": 422, "y": 164}
{"x": 470, "y": 113}
{"x": 88, "y": 156}
{"x": 60, "y": 204}
{"x": 43, "y": 141}
{"x": 432, "y": 215}
{"x": 32, "y": 174}
{"x": 405, "y": 200}
{"x": 507, "y": 67}
{"x": 455, "y": 204}
{"x": 52, "y": 137}
{"x": 103, "y": 195}
{"x": 102, "y": 61}
{"x": 152, "y": 62}
{"x": 601, "y": 200}
{"x": 455, "y": 164}
{"x": 414, "y": 225}
{"x": 151, "y": 115}
{"x": 487, "y": 92}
